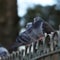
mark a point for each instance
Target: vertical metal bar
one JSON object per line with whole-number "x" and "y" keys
{"x": 22, "y": 52}
{"x": 51, "y": 57}
{"x": 11, "y": 57}
{"x": 43, "y": 58}
{"x": 51, "y": 44}
{"x": 26, "y": 47}
{"x": 59, "y": 56}
{"x": 44, "y": 45}
{"x": 3, "y": 58}
{"x": 17, "y": 55}
{"x": 59, "y": 38}
{"x": 34, "y": 47}
{"x": 30, "y": 52}
{"x": 0, "y": 58}
{"x": 14, "y": 55}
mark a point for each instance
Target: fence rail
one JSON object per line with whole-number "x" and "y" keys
{"x": 48, "y": 48}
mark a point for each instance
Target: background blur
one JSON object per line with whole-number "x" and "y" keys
{"x": 49, "y": 10}
{"x": 8, "y": 22}
{"x": 15, "y": 14}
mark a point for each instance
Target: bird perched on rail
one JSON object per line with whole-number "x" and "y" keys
{"x": 3, "y": 51}
{"x": 34, "y": 30}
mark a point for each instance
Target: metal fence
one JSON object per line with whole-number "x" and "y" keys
{"x": 48, "y": 48}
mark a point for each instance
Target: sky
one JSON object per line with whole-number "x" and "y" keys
{"x": 24, "y": 4}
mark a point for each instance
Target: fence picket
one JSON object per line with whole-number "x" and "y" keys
{"x": 38, "y": 49}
